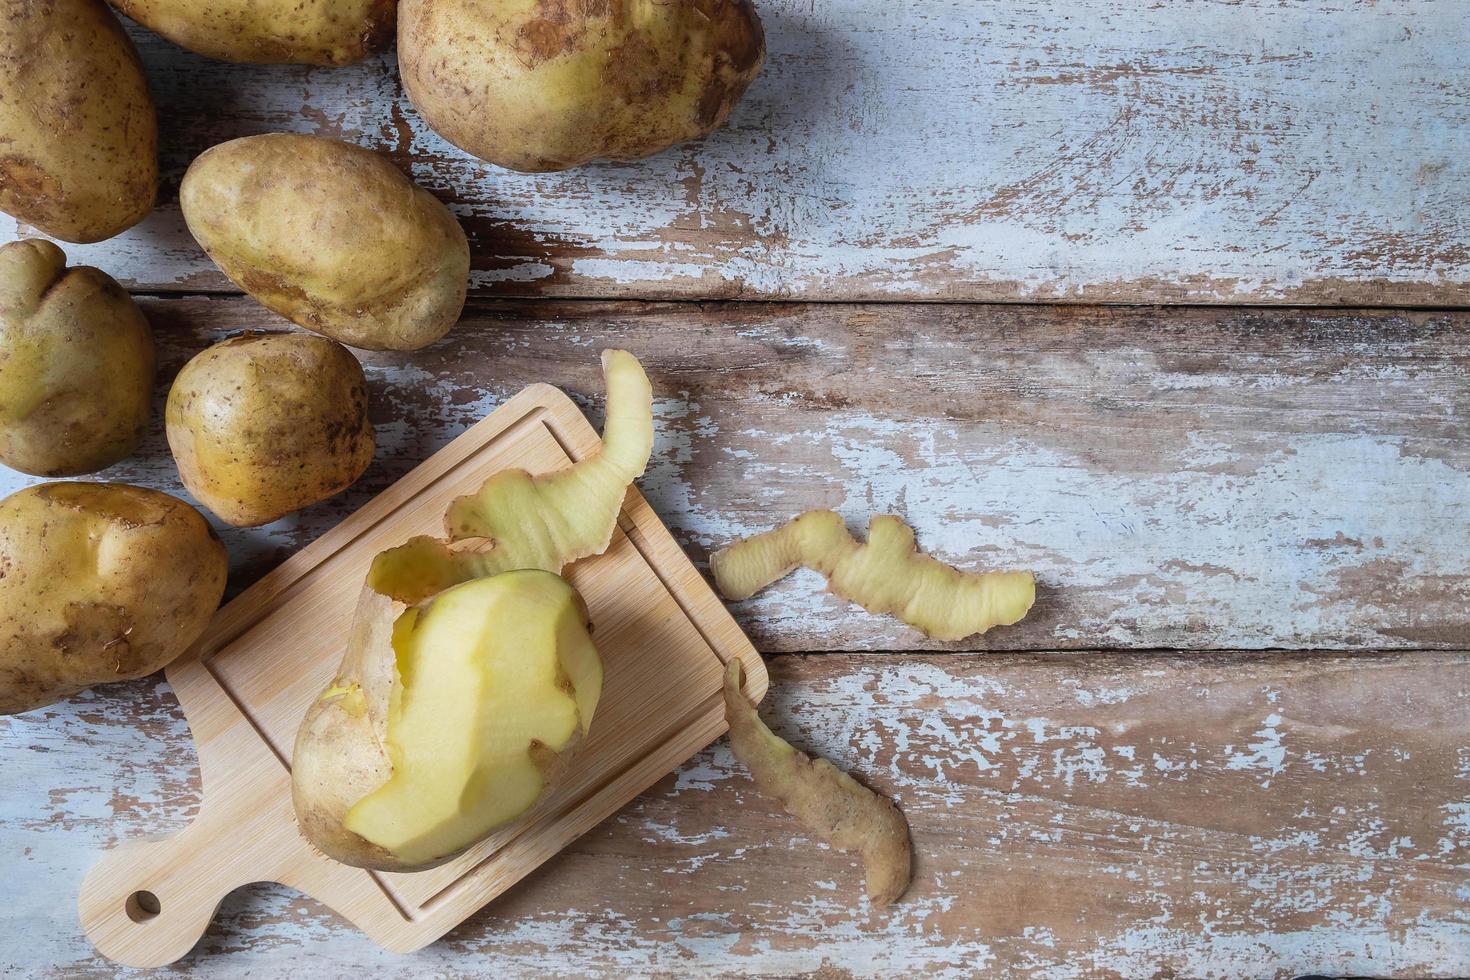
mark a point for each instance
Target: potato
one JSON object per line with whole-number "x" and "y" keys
{"x": 98, "y": 582}
{"x": 264, "y": 424}
{"x": 331, "y": 236}
{"x": 78, "y": 136}
{"x": 76, "y": 372}
{"x": 313, "y": 32}
{"x": 540, "y": 85}
{"x": 485, "y": 636}
{"x": 447, "y": 720}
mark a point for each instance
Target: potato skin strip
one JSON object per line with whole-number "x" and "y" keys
{"x": 824, "y": 799}
{"x": 551, "y": 520}
{"x": 885, "y": 575}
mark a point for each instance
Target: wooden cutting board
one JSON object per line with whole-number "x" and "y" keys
{"x": 663, "y": 635}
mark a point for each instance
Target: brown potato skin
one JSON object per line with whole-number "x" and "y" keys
{"x": 331, "y": 236}
{"x": 541, "y": 85}
{"x": 78, "y": 134}
{"x": 310, "y": 32}
{"x": 99, "y": 582}
{"x": 264, "y": 424}
{"x": 76, "y": 364}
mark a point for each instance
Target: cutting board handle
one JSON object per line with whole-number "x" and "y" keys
{"x": 149, "y": 901}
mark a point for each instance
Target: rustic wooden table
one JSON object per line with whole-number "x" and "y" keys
{"x": 1162, "y": 303}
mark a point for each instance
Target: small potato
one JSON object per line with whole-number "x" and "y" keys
{"x": 313, "y": 32}
{"x": 76, "y": 364}
{"x": 78, "y": 136}
{"x": 264, "y": 424}
{"x": 331, "y": 236}
{"x": 538, "y": 85}
{"x": 99, "y": 582}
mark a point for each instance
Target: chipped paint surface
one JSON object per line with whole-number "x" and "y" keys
{"x": 1191, "y": 479}
{"x": 1072, "y": 816}
{"x": 943, "y": 149}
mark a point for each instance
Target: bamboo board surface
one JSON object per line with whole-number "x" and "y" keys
{"x": 1105, "y": 151}
{"x": 662, "y": 634}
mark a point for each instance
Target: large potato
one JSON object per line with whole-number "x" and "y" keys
{"x": 98, "y": 582}
{"x": 76, "y": 364}
{"x": 332, "y": 236}
{"x": 447, "y": 720}
{"x": 78, "y": 137}
{"x": 264, "y": 424}
{"x": 314, "y": 32}
{"x": 540, "y": 85}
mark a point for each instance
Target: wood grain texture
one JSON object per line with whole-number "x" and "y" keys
{"x": 1196, "y": 151}
{"x": 1271, "y": 815}
{"x": 1200, "y": 478}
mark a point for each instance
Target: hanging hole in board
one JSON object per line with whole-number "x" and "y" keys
{"x": 142, "y": 906}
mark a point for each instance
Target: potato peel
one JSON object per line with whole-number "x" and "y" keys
{"x": 885, "y": 575}
{"x": 551, "y": 520}
{"x": 827, "y": 801}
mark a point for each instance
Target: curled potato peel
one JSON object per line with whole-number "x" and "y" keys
{"x": 826, "y": 800}
{"x": 885, "y": 575}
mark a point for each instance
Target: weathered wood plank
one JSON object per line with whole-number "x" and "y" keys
{"x": 1098, "y": 815}
{"x": 1200, "y": 478}
{"x": 943, "y": 149}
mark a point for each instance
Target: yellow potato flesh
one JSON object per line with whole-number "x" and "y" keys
{"x": 514, "y": 522}
{"x": 885, "y": 575}
{"x": 492, "y": 676}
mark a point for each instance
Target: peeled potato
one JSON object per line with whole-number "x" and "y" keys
{"x": 331, "y": 236}
{"x": 537, "y": 86}
{"x": 76, "y": 364}
{"x": 446, "y": 721}
{"x": 264, "y": 424}
{"x": 78, "y": 136}
{"x": 98, "y": 582}
{"x": 469, "y": 676}
{"x": 313, "y": 32}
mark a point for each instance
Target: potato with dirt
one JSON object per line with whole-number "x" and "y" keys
{"x": 78, "y": 134}
{"x": 98, "y": 582}
{"x": 538, "y": 85}
{"x": 76, "y": 364}
{"x": 264, "y": 424}
{"x": 311, "y": 32}
{"x": 331, "y": 236}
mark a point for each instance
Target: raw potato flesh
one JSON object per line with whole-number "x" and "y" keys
{"x": 495, "y": 678}
{"x": 550, "y": 521}
{"x": 446, "y": 720}
{"x": 514, "y": 522}
{"x": 827, "y": 801}
{"x": 886, "y": 575}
